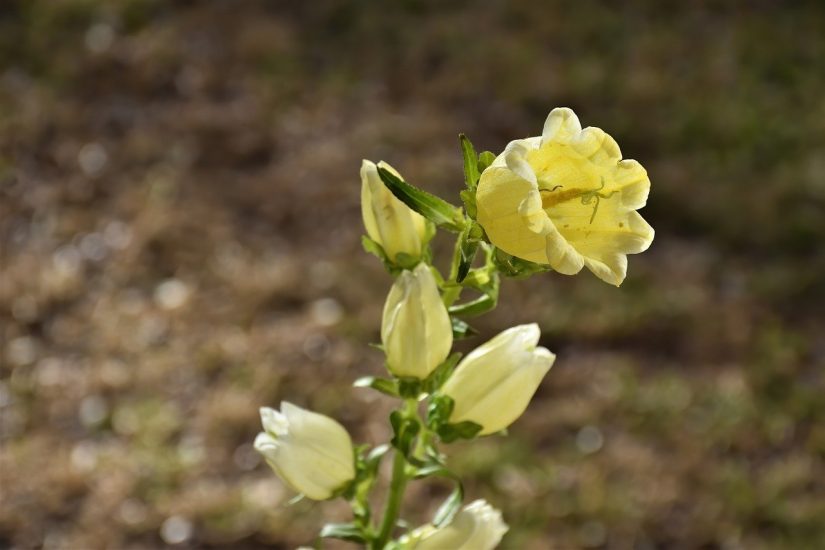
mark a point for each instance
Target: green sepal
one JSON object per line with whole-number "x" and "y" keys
{"x": 401, "y": 261}
{"x": 461, "y": 329}
{"x": 344, "y": 531}
{"x": 441, "y": 373}
{"x": 409, "y": 388}
{"x": 463, "y": 430}
{"x": 406, "y": 261}
{"x": 404, "y": 429}
{"x": 372, "y": 247}
{"x": 435, "y": 209}
{"x": 485, "y": 159}
{"x": 439, "y": 410}
{"x": 476, "y": 232}
{"x": 511, "y": 266}
{"x": 438, "y": 420}
{"x": 468, "y": 197}
{"x": 467, "y": 252}
{"x": 468, "y": 153}
{"x": 385, "y": 386}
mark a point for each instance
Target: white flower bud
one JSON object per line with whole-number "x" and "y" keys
{"x": 311, "y": 452}
{"x": 416, "y": 329}
{"x": 477, "y": 527}
{"x": 388, "y": 221}
{"x": 494, "y": 383}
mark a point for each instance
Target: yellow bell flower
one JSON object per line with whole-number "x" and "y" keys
{"x": 478, "y": 526}
{"x": 388, "y": 221}
{"x": 311, "y": 452}
{"x": 416, "y": 329}
{"x": 493, "y": 385}
{"x": 567, "y": 199}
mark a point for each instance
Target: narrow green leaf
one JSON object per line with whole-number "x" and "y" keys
{"x": 344, "y": 531}
{"x": 461, "y": 329}
{"x": 449, "y": 507}
{"x": 375, "y": 455}
{"x": 476, "y": 307}
{"x": 295, "y": 500}
{"x": 388, "y": 387}
{"x": 468, "y": 152}
{"x": 435, "y": 209}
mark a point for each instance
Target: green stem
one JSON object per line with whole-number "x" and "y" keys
{"x": 397, "y": 485}
{"x": 393, "y": 506}
{"x": 453, "y": 289}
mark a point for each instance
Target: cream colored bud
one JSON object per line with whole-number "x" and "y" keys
{"x": 388, "y": 221}
{"x": 494, "y": 383}
{"x": 311, "y": 452}
{"x": 477, "y": 527}
{"x": 416, "y": 330}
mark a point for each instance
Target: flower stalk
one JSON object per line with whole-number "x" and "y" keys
{"x": 396, "y": 494}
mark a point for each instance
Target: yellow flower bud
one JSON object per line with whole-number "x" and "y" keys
{"x": 311, "y": 452}
{"x": 388, "y": 221}
{"x": 416, "y": 329}
{"x": 476, "y": 527}
{"x": 494, "y": 383}
{"x": 567, "y": 199}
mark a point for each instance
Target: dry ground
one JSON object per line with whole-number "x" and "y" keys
{"x": 180, "y": 244}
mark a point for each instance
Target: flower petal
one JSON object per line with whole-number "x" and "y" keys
{"x": 532, "y": 213}
{"x": 597, "y": 146}
{"x": 320, "y": 432}
{"x": 500, "y": 193}
{"x": 631, "y": 179}
{"x": 273, "y": 421}
{"x": 561, "y": 255}
{"x": 605, "y": 243}
{"x": 515, "y": 157}
{"x": 562, "y": 125}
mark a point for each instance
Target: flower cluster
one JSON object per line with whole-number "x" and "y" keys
{"x": 560, "y": 201}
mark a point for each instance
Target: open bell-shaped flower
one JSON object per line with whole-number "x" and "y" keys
{"x": 311, "y": 452}
{"x": 478, "y": 526}
{"x": 388, "y": 221}
{"x": 493, "y": 385}
{"x": 567, "y": 199}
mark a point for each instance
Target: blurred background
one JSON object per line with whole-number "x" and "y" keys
{"x": 180, "y": 223}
